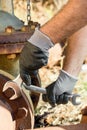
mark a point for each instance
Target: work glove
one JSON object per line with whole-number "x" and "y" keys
{"x": 34, "y": 55}
{"x": 58, "y": 90}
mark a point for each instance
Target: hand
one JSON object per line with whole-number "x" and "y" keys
{"x": 34, "y": 55}
{"x": 31, "y": 59}
{"x": 56, "y": 92}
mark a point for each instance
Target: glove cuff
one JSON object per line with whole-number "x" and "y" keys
{"x": 41, "y": 40}
{"x": 65, "y": 82}
{"x": 73, "y": 78}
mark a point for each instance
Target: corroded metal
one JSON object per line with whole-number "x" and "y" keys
{"x": 11, "y": 48}
{"x": 17, "y": 112}
{"x": 15, "y": 37}
{"x": 14, "y": 42}
{"x": 10, "y": 63}
{"x": 13, "y": 33}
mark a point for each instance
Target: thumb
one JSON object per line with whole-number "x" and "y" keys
{"x": 26, "y": 78}
{"x": 51, "y": 96}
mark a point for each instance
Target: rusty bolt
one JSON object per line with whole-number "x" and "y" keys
{"x": 9, "y": 29}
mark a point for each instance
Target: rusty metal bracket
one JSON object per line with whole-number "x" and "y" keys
{"x": 19, "y": 111}
{"x": 12, "y": 41}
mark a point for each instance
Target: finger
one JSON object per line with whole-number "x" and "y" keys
{"x": 51, "y": 97}
{"x": 26, "y": 78}
{"x": 65, "y": 99}
{"x": 59, "y": 99}
{"x": 45, "y": 99}
{"x": 51, "y": 94}
{"x": 52, "y": 100}
{"x": 62, "y": 99}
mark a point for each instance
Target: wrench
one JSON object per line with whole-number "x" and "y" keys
{"x": 19, "y": 82}
{"x": 74, "y": 98}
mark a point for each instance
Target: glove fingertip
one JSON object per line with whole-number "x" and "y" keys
{"x": 26, "y": 79}
{"x": 52, "y": 100}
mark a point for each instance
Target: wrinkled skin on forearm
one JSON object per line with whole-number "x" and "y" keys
{"x": 70, "y": 19}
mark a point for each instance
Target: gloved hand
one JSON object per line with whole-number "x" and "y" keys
{"x": 34, "y": 55}
{"x": 56, "y": 92}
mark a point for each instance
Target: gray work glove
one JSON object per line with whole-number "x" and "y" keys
{"x": 34, "y": 55}
{"x": 58, "y": 90}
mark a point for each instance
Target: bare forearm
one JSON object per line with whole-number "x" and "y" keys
{"x": 70, "y": 19}
{"x": 76, "y": 52}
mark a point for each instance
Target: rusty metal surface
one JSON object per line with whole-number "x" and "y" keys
{"x": 13, "y": 42}
{"x": 11, "y": 48}
{"x": 10, "y": 64}
{"x": 18, "y": 110}
{"x": 15, "y": 37}
{"x": 13, "y": 33}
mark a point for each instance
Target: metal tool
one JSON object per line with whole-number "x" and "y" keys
{"x": 74, "y": 98}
